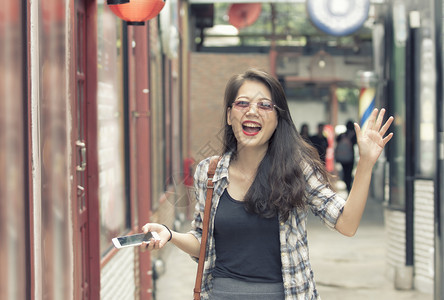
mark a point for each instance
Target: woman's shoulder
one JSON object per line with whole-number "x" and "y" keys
{"x": 203, "y": 165}
{"x": 206, "y": 161}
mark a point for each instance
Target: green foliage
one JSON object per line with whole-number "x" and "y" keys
{"x": 349, "y": 95}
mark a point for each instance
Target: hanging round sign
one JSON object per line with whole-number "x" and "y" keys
{"x": 338, "y": 17}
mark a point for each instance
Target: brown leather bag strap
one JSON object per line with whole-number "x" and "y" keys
{"x": 206, "y": 222}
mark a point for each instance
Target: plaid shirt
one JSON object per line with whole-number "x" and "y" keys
{"x": 296, "y": 269}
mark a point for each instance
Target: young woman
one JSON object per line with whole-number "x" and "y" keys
{"x": 265, "y": 182}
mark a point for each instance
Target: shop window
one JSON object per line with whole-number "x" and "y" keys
{"x": 113, "y": 200}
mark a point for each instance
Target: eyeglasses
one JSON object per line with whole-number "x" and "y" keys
{"x": 264, "y": 105}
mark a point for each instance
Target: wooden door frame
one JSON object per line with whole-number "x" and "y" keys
{"x": 141, "y": 118}
{"x": 91, "y": 155}
{"x": 73, "y": 137}
{"x": 26, "y": 14}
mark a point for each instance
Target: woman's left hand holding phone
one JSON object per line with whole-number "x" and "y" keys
{"x": 164, "y": 235}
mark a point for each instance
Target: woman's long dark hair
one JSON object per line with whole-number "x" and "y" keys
{"x": 279, "y": 185}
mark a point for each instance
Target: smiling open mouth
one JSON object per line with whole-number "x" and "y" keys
{"x": 251, "y": 128}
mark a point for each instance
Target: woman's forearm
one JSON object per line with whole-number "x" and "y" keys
{"x": 349, "y": 220}
{"x": 186, "y": 242}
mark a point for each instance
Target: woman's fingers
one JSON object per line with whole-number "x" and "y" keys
{"x": 372, "y": 119}
{"x": 387, "y": 138}
{"x": 357, "y": 130}
{"x": 146, "y": 228}
{"x": 375, "y": 121}
{"x": 386, "y": 126}
{"x": 150, "y": 227}
{"x": 379, "y": 119}
{"x": 153, "y": 244}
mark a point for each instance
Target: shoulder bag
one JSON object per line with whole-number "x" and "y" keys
{"x": 206, "y": 222}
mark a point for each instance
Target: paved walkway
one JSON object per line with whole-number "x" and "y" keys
{"x": 345, "y": 268}
{"x": 354, "y": 268}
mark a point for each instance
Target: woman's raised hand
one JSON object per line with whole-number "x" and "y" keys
{"x": 371, "y": 140}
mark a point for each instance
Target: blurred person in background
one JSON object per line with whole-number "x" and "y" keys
{"x": 345, "y": 153}
{"x": 305, "y": 132}
{"x": 320, "y": 142}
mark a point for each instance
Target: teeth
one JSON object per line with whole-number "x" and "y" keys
{"x": 251, "y": 125}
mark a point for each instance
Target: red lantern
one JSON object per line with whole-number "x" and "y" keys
{"x": 136, "y": 12}
{"x": 244, "y": 14}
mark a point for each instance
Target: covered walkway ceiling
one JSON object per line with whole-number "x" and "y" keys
{"x": 260, "y": 1}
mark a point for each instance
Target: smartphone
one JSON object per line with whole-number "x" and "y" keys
{"x": 134, "y": 239}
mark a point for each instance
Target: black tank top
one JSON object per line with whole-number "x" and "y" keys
{"x": 247, "y": 245}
